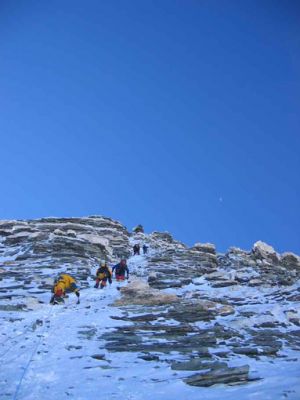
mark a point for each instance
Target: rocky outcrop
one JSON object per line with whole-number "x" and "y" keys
{"x": 172, "y": 264}
{"x": 139, "y": 292}
{"x": 204, "y": 248}
{"x": 63, "y": 239}
{"x": 138, "y": 229}
{"x": 290, "y": 261}
{"x": 164, "y": 240}
{"x": 199, "y": 314}
{"x": 264, "y": 252}
{"x": 220, "y": 374}
{"x": 262, "y": 266}
{"x": 35, "y": 250}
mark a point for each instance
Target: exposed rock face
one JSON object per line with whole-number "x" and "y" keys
{"x": 199, "y": 314}
{"x": 73, "y": 245}
{"x": 63, "y": 239}
{"x": 138, "y": 229}
{"x": 263, "y": 251}
{"x": 164, "y": 239}
{"x": 172, "y": 264}
{"x": 262, "y": 266}
{"x": 290, "y": 260}
{"x": 220, "y": 374}
{"x": 204, "y": 248}
{"x": 139, "y": 292}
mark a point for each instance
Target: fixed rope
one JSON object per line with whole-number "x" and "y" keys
{"x": 31, "y": 357}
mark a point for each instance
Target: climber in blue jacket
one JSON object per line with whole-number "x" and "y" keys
{"x": 121, "y": 270}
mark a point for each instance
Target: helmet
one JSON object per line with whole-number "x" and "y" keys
{"x": 102, "y": 263}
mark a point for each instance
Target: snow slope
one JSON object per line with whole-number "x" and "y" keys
{"x": 49, "y": 352}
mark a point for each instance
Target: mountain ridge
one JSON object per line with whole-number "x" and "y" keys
{"x": 190, "y": 321}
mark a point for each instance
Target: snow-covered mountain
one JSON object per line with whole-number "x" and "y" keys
{"x": 189, "y": 323}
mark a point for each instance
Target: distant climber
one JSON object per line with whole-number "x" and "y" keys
{"x": 121, "y": 270}
{"x": 103, "y": 275}
{"x": 145, "y": 249}
{"x": 64, "y": 284}
{"x": 136, "y": 250}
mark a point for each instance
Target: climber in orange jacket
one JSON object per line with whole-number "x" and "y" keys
{"x": 103, "y": 275}
{"x": 64, "y": 284}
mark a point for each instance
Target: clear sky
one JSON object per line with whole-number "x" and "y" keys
{"x": 183, "y": 116}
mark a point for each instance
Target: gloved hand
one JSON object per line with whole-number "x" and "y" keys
{"x": 57, "y": 300}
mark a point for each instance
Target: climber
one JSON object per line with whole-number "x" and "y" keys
{"x": 103, "y": 275}
{"x": 145, "y": 249}
{"x": 64, "y": 284}
{"x": 136, "y": 249}
{"x": 121, "y": 269}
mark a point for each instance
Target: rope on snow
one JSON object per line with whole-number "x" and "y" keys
{"x": 32, "y": 355}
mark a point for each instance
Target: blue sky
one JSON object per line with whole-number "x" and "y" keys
{"x": 180, "y": 115}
